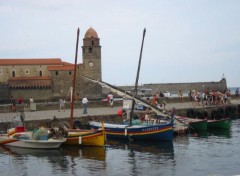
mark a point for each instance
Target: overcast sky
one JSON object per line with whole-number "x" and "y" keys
{"x": 186, "y": 41}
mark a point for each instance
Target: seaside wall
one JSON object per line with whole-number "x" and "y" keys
{"x": 184, "y": 87}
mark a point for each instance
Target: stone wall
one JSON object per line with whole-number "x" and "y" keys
{"x": 36, "y": 94}
{"x": 184, "y": 87}
{"x": 4, "y": 93}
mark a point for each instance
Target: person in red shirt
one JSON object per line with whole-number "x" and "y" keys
{"x": 20, "y": 100}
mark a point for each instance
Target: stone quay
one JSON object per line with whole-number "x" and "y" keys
{"x": 48, "y": 114}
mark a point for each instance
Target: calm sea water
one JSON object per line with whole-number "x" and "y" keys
{"x": 211, "y": 153}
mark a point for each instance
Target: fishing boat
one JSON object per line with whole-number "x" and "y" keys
{"x": 193, "y": 123}
{"x": 219, "y": 124}
{"x": 79, "y": 136}
{"x": 162, "y": 131}
{"x": 86, "y": 137}
{"x": 141, "y": 131}
{"x": 19, "y": 137}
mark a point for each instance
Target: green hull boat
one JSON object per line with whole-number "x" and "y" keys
{"x": 199, "y": 124}
{"x": 194, "y": 124}
{"x": 222, "y": 124}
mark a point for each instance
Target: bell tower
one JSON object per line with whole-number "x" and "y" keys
{"x": 91, "y": 54}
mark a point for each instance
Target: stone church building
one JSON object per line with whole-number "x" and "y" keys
{"x": 52, "y": 78}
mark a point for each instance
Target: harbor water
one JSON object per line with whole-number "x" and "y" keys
{"x": 199, "y": 154}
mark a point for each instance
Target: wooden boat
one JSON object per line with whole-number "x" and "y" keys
{"x": 194, "y": 124}
{"x": 160, "y": 132}
{"x": 221, "y": 123}
{"x": 19, "y": 137}
{"x": 86, "y": 137}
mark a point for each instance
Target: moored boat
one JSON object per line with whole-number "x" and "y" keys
{"x": 85, "y": 137}
{"x": 157, "y": 132}
{"x": 194, "y": 124}
{"x": 220, "y": 123}
{"x": 19, "y": 137}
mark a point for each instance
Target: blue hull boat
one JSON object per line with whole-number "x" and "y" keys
{"x": 158, "y": 132}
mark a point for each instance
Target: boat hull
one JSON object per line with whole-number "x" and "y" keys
{"x": 153, "y": 132}
{"x": 216, "y": 124}
{"x": 201, "y": 125}
{"x": 86, "y": 138}
{"x": 34, "y": 144}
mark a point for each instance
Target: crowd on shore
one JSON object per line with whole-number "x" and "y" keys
{"x": 213, "y": 97}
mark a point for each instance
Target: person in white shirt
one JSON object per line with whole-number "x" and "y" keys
{"x": 84, "y": 104}
{"x": 110, "y": 99}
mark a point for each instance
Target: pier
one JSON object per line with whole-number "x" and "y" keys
{"x": 46, "y": 115}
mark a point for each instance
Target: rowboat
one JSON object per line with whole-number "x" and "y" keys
{"x": 194, "y": 124}
{"x": 221, "y": 123}
{"x": 19, "y": 137}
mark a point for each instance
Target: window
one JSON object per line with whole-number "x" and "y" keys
{"x": 69, "y": 72}
{"x": 92, "y": 42}
{"x": 56, "y": 73}
{"x": 13, "y": 74}
{"x": 0, "y": 72}
{"x": 90, "y": 50}
{"x": 40, "y": 73}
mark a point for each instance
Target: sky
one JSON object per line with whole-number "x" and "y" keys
{"x": 185, "y": 41}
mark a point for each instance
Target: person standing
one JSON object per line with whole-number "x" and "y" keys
{"x": 13, "y": 104}
{"x": 110, "y": 99}
{"x": 61, "y": 105}
{"x": 84, "y": 104}
{"x": 180, "y": 95}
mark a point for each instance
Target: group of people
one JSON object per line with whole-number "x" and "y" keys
{"x": 84, "y": 104}
{"x": 16, "y": 105}
{"x": 207, "y": 98}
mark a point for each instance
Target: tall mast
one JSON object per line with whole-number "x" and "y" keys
{"x": 74, "y": 81}
{"x": 137, "y": 77}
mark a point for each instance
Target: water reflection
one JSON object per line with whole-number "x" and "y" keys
{"x": 65, "y": 160}
{"x": 220, "y": 132}
{"x": 95, "y": 153}
{"x": 157, "y": 147}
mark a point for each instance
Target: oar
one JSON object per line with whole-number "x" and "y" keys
{"x": 184, "y": 123}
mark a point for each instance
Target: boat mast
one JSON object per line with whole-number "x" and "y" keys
{"x": 74, "y": 81}
{"x": 136, "y": 83}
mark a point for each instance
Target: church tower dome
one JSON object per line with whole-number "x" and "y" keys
{"x": 91, "y": 33}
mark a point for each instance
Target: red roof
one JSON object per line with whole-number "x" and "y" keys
{"x": 39, "y": 61}
{"x": 61, "y": 68}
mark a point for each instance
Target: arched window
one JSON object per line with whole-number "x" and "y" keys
{"x": 13, "y": 74}
{"x": 90, "y": 50}
{"x": 40, "y": 73}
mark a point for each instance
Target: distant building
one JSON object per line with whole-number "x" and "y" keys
{"x": 49, "y": 78}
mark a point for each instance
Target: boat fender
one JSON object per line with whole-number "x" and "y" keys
{"x": 125, "y": 131}
{"x": 80, "y": 140}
